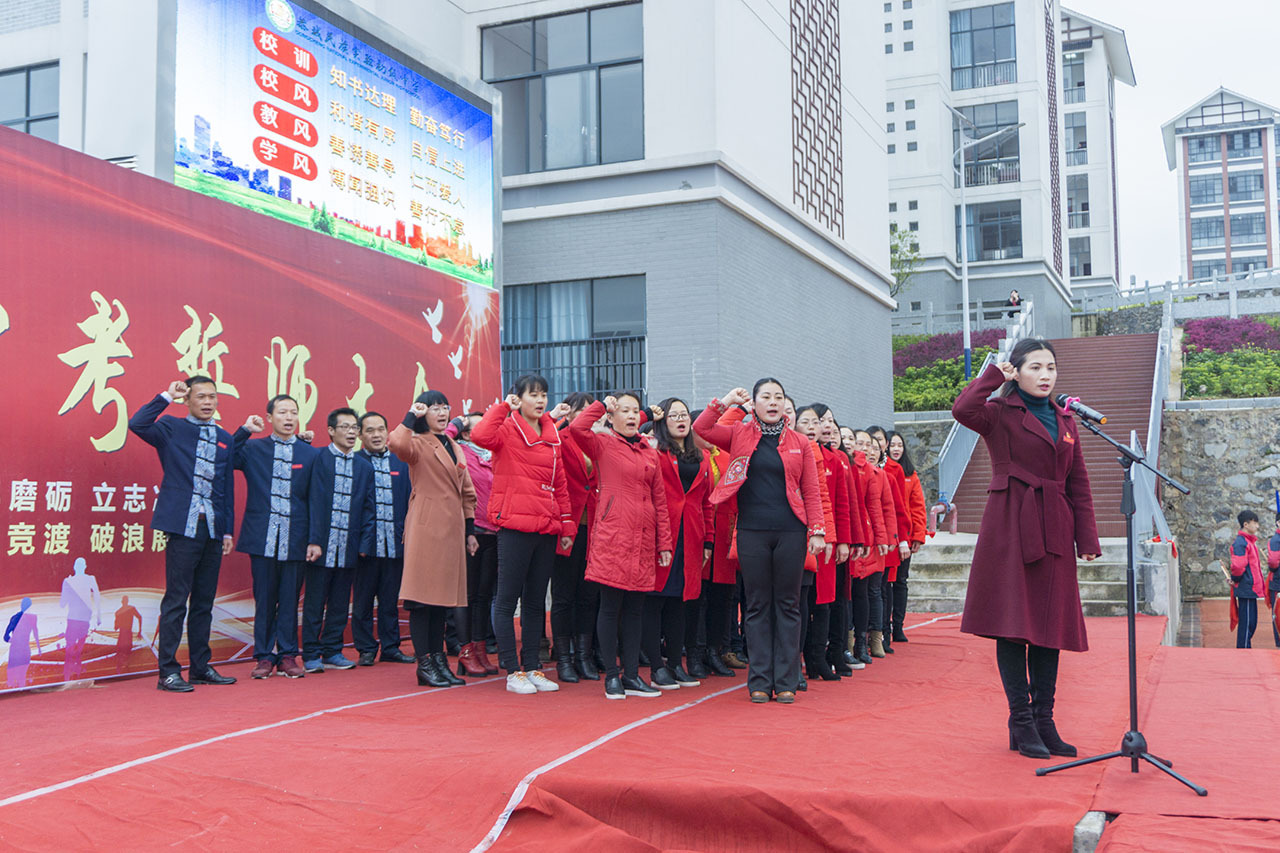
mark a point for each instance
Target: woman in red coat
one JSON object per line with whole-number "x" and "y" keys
{"x": 901, "y": 549}
{"x": 573, "y": 600}
{"x": 773, "y": 479}
{"x": 686, "y": 476}
{"x": 839, "y": 634}
{"x": 630, "y": 535}
{"x": 918, "y": 531}
{"x": 529, "y": 505}
{"x": 868, "y": 573}
{"x": 1023, "y": 589}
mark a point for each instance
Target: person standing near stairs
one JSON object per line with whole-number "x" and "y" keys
{"x": 1023, "y": 586}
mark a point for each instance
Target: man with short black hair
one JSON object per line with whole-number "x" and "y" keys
{"x": 341, "y": 515}
{"x": 195, "y": 508}
{"x": 277, "y": 473}
{"x": 382, "y": 561}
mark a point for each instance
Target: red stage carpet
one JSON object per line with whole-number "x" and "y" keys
{"x": 908, "y": 754}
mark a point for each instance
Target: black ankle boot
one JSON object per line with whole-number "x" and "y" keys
{"x": 429, "y": 674}
{"x": 697, "y": 658}
{"x": 442, "y": 664}
{"x": 817, "y": 667}
{"x": 584, "y": 659}
{"x": 565, "y": 671}
{"x": 1042, "y": 665}
{"x": 840, "y": 664}
{"x": 1011, "y": 659}
{"x": 717, "y": 666}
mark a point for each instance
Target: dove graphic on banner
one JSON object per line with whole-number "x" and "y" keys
{"x": 433, "y": 319}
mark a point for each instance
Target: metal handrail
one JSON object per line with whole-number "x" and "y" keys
{"x": 1149, "y": 519}
{"x": 959, "y": 445}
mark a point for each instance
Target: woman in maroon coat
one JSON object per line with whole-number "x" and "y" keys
{"x": 630, "y": 534}
{"x": 1023, "y": 590}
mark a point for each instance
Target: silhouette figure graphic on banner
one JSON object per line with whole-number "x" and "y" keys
{"x": 125, "y": 617}
{"x": 22, "y": 627}
{"x": 81, "y": 600}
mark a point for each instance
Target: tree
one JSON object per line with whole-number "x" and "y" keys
{"x": 904, "y": 258}
{"x": 320, "y": 219}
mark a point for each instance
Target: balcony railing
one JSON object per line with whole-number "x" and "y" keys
{"x": 1078, "y": 220}
{"x": 990, "y": 172}
{"x": 980, "y": 76}
{"x": 1078, "y": 157}
{"x": 599, "y": 365}
{"x": 1073, "y": 95}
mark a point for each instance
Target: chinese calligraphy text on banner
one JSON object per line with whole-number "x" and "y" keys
{"x": 281, "y": 111}
{"x": 116, "y": 284}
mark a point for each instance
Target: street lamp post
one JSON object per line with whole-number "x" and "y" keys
{"x": 958, "y": 158}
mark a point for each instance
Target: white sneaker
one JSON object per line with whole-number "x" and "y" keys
{"x": 518, "y": 682}
{"x": 857, "y": 665}
{"x": 540, "y": 682}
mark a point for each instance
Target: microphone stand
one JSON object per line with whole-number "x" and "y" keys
{"x": 1134, "y": 745}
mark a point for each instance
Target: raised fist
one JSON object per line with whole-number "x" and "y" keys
{"x": 656, "y": 413}
{"x": 178, "y": 390}
{"x": 560, "y": 411}
{"x": 418, "y": 410}
{"x": 611, "y": 404}
{"x": 254, "y": 423}
{"x": 736, "y": 397}
{"x": 1010, "y": 372}
{"x": 513, "y": 402}
{"x": 307, "y": 435}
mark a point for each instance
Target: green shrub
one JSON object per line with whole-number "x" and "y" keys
{"x": 934, "y": 387}
{"x": 900, "y": 341}
{"x": 1240, "y": 373}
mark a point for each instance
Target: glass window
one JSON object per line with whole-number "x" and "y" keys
{"x": 913, "y": 205}
{"x": 1204, "y": 149}
{"x": 995, "y": 161}
{"x": 1247, "y": 228}
{"x": 560, "y": 42}
{"x": 507, "y": 51}
{"x": 1081, "y": 261}
{"x": 1242, "y": 263}
{"x": 1208, "y": 232}
{"x": 907, "y": 25}
{"x": 1073, "y": 78}
{"x": 910, "y": 104}
{"x": 994, "y": 229}
{"x": 890, "y": 127}
{"x": 582, "y": 335}
{"x": 888, "y": 107}
{"x": 906, "y": 4}
{"x": 908, "y": 45}
{"x": 1245, "y": 186}
{"x": 1077, "y": 201}
{"x": 571, "y": 120}
{"x": 554, "y": 118}
{"x": 1244, "y": 143}
{"x": 893, "y": 206}
{"x": 1209, "y": 269}
{"x": 621, "y": 113}
{"x": 617, "y": 32}
{"x": 893, "y": 149}
{"x": 888, "y": 7}
{"x": 29, "y": 100}
{"x": 983, "y": 49}
{"x": 1077, "y": 139}
{"x": 911, "y": 125}
{"x": 888, "y": 48}
{"x": 888, "y": 28}
{"x": 911, "y": 146}
{"x": 1206, "y": 189}
{"x": 913, "y": 226}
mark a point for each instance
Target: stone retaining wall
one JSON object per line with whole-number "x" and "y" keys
{"x": 924, "y": 441}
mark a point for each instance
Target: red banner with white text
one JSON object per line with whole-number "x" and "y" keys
{"x": 116, "y": 284}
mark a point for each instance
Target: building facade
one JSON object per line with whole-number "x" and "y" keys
{"x": 961, "y": 70}
{"x": 1223, "y": 149}
{"x": 693, "y": 194}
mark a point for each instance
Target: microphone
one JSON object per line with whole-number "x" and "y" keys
{"x": 1073, "y": 404}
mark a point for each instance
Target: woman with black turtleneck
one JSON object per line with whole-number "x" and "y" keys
{"x": 1023, "y": 589}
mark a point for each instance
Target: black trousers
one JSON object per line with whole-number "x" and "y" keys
{"x": 573, "y": 598}
{"x": 426, "y": 627}
{"x": 899, "y": 607}
{"x": 840, "y": 621}
{"x": 524, "y": 568}
{"x": 866, "y": 603}
{"x": 191, "y": 566}
{"x": 326, "y": 603}
{"x": 275, "y": 607}
{"x": 772, "y": 565}
{"x": 620, "y": 617}
{"x": 815, "y": 643}
{"x": 663, "y": 617}
{"x": 718, "y": 601}
{"x": 482, "y": 579}
{"x": 377, "y": 577}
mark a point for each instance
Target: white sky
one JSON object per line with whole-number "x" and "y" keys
{"x": 1182, "y": 50}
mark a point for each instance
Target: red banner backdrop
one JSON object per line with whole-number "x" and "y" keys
{"x": 116, "y": 284}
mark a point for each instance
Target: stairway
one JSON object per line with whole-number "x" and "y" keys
{"x": 1113, "y": 374}
{"x": 940, "y": 575}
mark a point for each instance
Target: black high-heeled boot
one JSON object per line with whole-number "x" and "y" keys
{"x": 1042, "y": 665}
{"x": 429, "y": 674}
{"x": 817, "y": 667}
{"x": 584, "y": 659}
{"x": 442, "y": 664}
{"x": 1011, "y": 659}
{"x": 565, "y": 671}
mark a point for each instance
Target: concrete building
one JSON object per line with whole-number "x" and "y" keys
{"x": 1224, "y": 150}
{"x": 693, "y": 194}
{"x": 997, "y": 66}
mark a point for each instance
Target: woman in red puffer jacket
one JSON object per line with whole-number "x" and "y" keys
{"x": 630, "y": 535}
{"x": 529, "y": 505}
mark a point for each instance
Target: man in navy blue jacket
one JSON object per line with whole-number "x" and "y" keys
{"x": 277, "y": 474}
{"x": 382, "y": 562}
{"x": 196, "y": 510}
{"x": 341, "y": 510}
